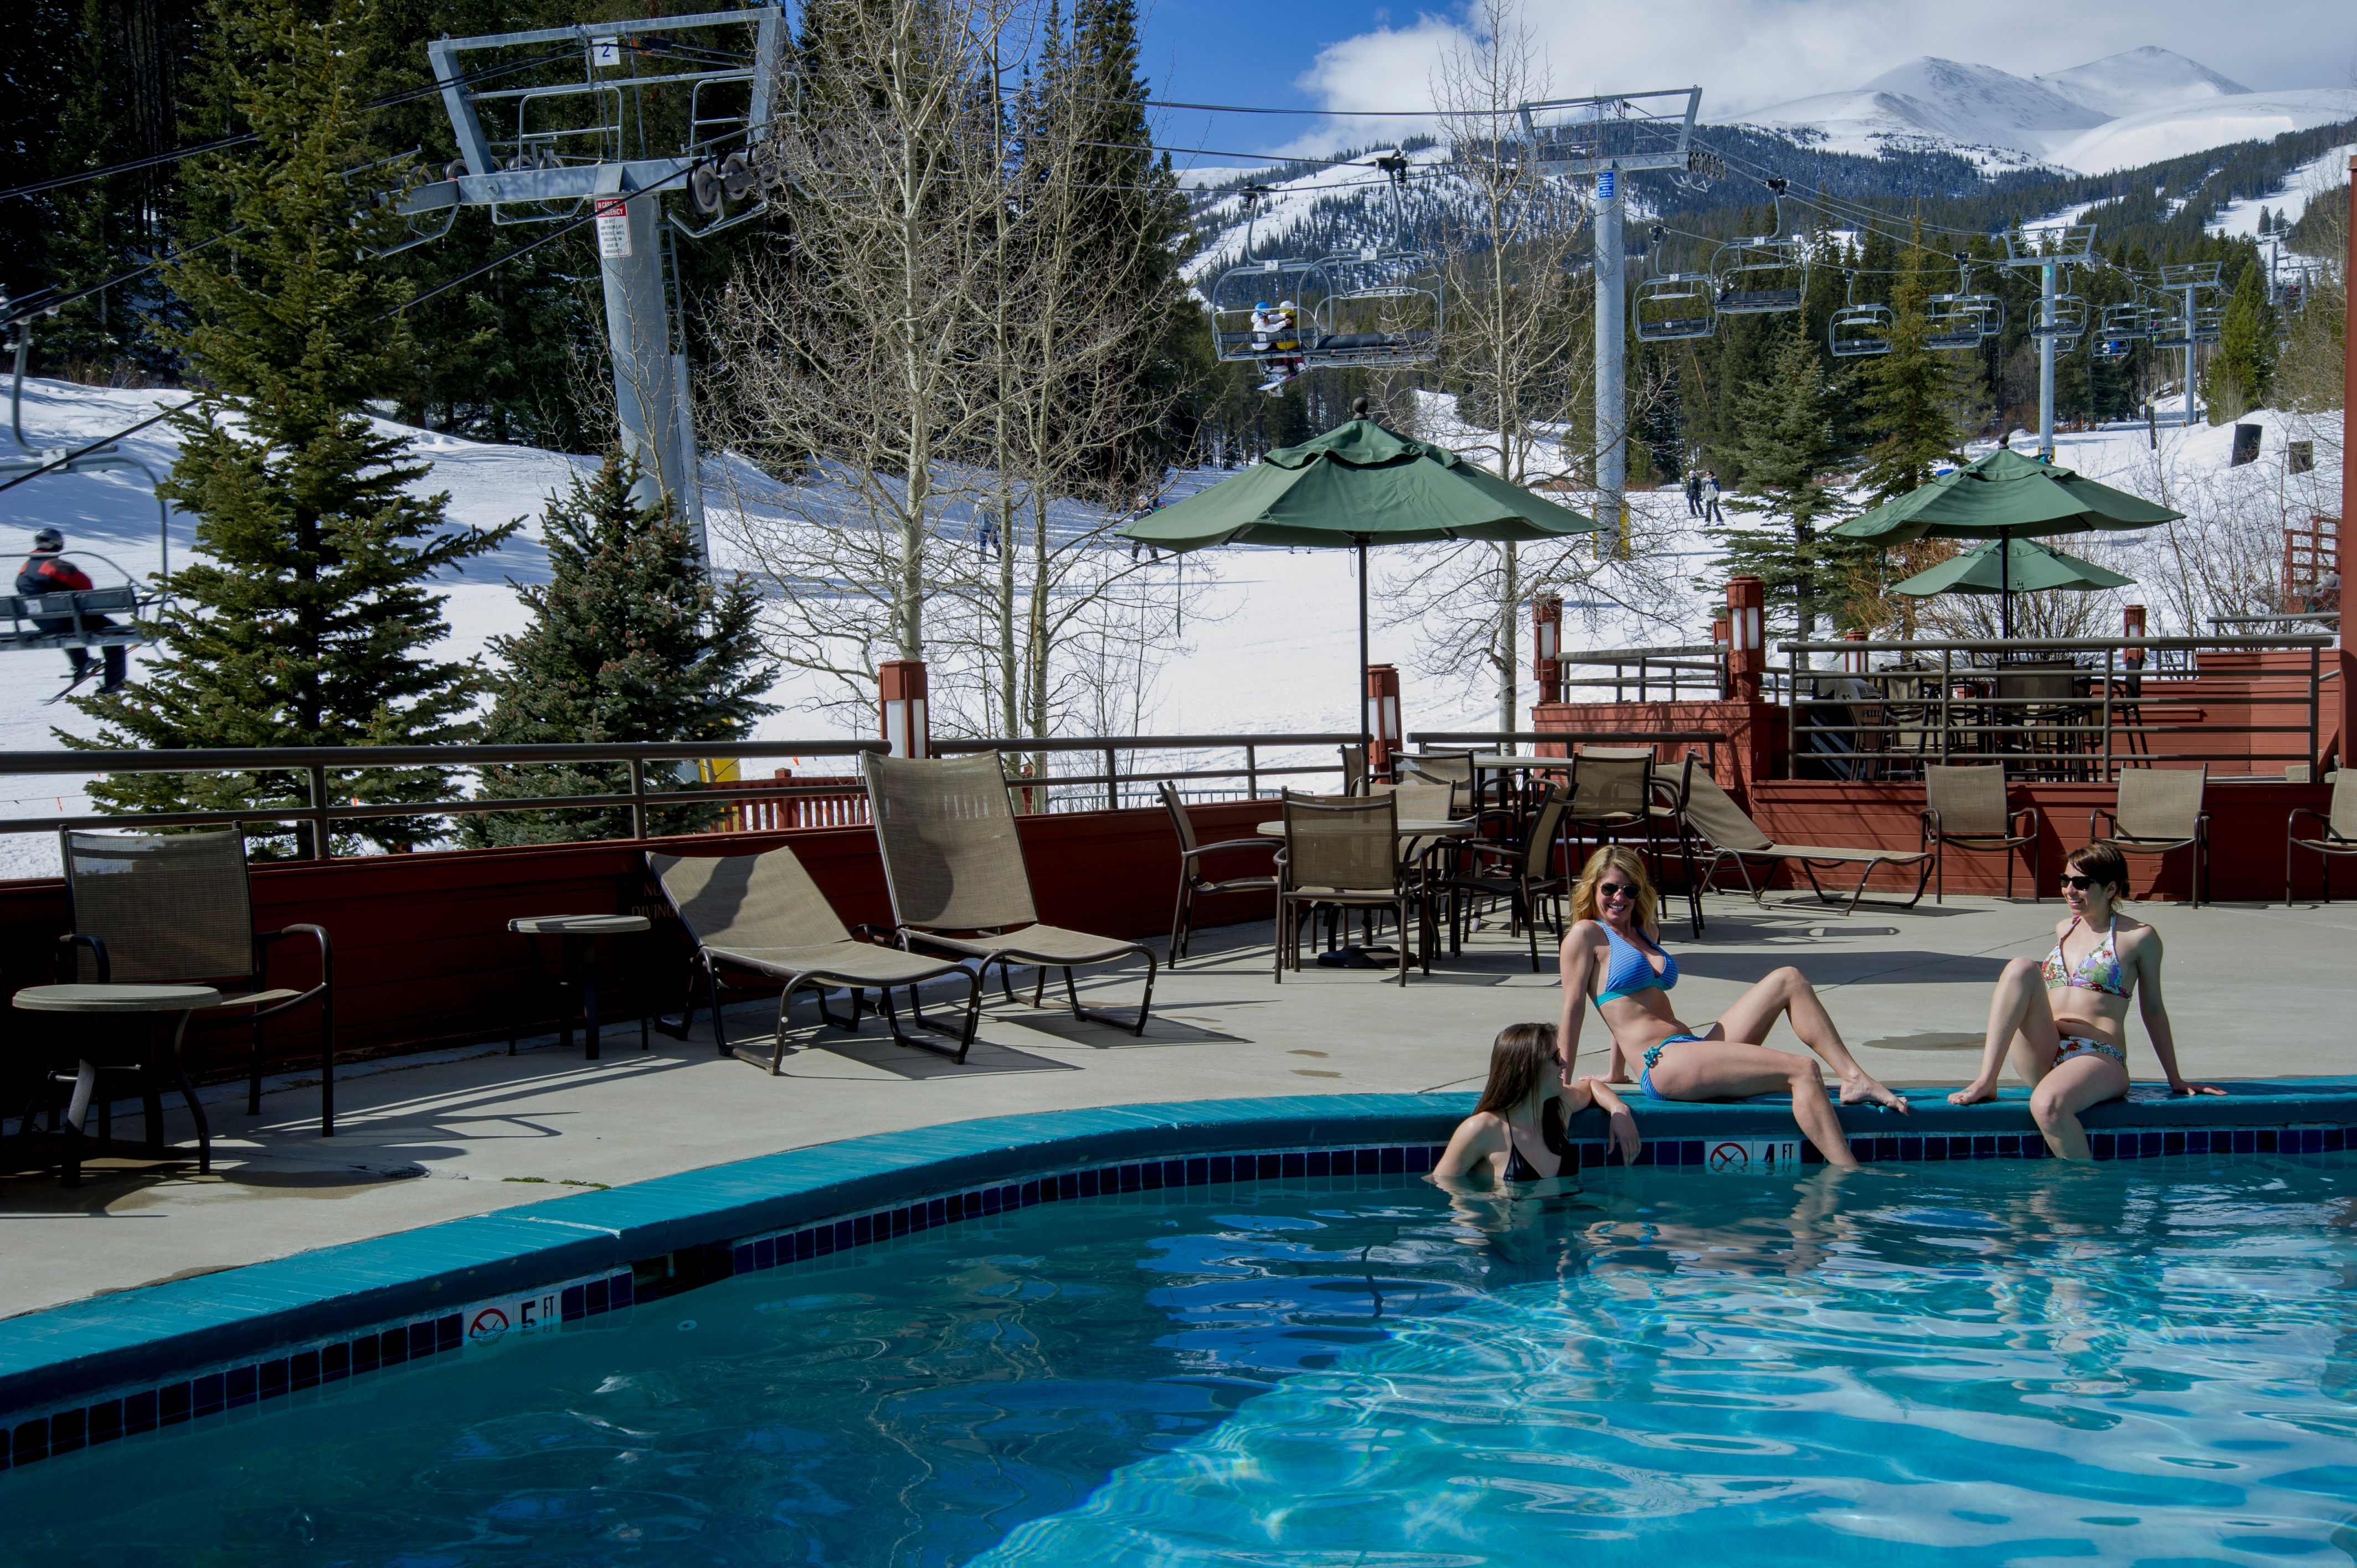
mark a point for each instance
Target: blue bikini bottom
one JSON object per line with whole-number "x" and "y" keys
{"x": 1645, "y": 1079}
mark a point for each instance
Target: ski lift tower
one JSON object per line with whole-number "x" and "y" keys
{"x": 577, "y": 121}
{"x": 2072, "y": 244}
{"x": 1603, "y": 138}
{"x": 2189, "y": 278}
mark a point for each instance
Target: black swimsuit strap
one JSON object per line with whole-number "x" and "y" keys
{"x": 1550, "y": 1133}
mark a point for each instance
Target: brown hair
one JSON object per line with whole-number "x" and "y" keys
{"x": 1613, "y": 857}
{"x": 1518, "y": 1060}
{"x": 2102, "y": 863}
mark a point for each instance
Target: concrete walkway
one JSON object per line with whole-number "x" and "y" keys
{"x": 2254, "y": 992}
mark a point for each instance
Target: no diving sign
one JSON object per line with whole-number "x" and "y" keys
{"x": 1739, "y": 1156}
{"x": 613, "y": 228}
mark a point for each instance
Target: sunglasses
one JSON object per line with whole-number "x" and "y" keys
{"x": 2078, "y": 884}
{"x": 1616, "y": 890}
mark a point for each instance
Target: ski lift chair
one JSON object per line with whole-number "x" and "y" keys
{"x": 1377, "y": 313}
{"x": 2067, "y": 319}
{"x": 1239, "y": 290}
{"x": 1859, "y": 330}
{"x": 2208, "y": 321}
{"x": 1753, "y": 272}
{"x": 2126, "y": 322}
{"x": 1674, "y": 306}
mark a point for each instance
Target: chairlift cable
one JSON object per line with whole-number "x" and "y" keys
{"x": 103, "y": 441}
{"x": 1247, "y": 109}
{"x": 225, "y": 142}
{"x": 21, "y": 311}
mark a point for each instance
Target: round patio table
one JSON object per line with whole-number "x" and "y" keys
{"x": 119, "y": 999}
{"x": 577, "y": 936}
{"x": 1406, "y": 828}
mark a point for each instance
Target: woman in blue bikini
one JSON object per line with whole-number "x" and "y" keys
{"x": 2064, "y": 1022}
{"x": 1613, "y": 954}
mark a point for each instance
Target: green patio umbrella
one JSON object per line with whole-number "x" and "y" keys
{"x": 2026, "y": 567}
{"x": 1357, "y": 485}
{"x": 2005, "y": 496}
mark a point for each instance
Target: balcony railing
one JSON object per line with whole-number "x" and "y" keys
{"x": 2069, "y": 708}
{"x": 1197, "y": 763}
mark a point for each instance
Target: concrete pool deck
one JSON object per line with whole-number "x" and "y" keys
{"x": 2255, "y": 993}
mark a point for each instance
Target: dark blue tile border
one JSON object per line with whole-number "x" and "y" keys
{"x": 100, "y": 1370}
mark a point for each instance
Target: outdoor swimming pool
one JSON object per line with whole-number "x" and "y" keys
{"x": 1964, "y": 1363}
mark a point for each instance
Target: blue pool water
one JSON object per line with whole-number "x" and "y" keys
{"x": 1964, "y": 1364}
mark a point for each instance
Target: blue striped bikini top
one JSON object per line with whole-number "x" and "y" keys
{"x": 1629, "y": 971}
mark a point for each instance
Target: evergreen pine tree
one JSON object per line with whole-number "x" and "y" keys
{"x": 2242, "y": 369}
{"x": 1787, "y": 450}
{"x": 305, "y": 621}
{"x": 628, "y": 640}
{"x": 1910, "y": 396}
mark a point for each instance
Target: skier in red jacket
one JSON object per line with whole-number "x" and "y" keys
{"x": 47, "y": 571}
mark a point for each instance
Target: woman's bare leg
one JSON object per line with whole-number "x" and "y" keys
{"x": 1787, "y": 993}
{"x": 2020, "y": 1025}
{"x": 2068, "y": 1088}
{"x": 1720, "y": 1069}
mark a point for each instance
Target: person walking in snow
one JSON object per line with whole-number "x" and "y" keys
{"x": 47, "y": 571}
{"x": 1710, "y": 497}
{"x": 1693, "y": 493}
{"x": 985, "y": 538}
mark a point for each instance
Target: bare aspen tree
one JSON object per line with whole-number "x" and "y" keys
{"x": 1518, "y": 340}
{"x": 937, "y": 390}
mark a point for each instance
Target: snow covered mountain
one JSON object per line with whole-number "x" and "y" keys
{"x": 2134, "y": 81}
{"x": 2125, "y": 110}
{"x": 1969, "y": 105}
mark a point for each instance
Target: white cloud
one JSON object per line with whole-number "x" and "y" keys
{"x": 1749, "y": 54}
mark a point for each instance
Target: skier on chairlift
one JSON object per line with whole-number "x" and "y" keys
{"x": 47, "y": 571}
{"x": 1280, "y": 330}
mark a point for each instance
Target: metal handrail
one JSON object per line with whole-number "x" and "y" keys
{"x": 320, "y": 812}
{"x": 2052, "y": 644}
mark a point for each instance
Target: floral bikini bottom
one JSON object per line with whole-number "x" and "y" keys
{"x": 2079, "y": 1045}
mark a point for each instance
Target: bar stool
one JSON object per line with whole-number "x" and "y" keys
{"x": 578, "y": 968}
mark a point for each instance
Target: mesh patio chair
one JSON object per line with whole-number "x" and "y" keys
{"x": 1612, "y": 792}
{"x": 2340, "y": 836}
{"x": 1343, "y": 854}
{"x": 1966, "y": 807}
{"x": 762, "y": 913}
{"x": 1730, "y": 834}
{"x": 1453, "y": 769}
{"x": 2160, "y": 809}
{"x": 177, "y": 909}
{"x": 1671, "y": 791}
{"x": 1192, "y": 880}
{"x": 955, "y": 869}
{"x": 1354, "y": 770}
{"x": 1523, "y": 872}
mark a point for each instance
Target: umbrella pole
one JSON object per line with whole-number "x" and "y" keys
{"x": 2005, "y": 587}
{"x": 1366, "y": 735}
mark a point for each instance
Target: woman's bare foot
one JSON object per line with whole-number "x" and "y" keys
{"x": 1864, "y": 1090}
{"x": 1973, "y": 1094}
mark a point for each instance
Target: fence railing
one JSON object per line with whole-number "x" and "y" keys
{"x": 1696, "y": 671}
{"x": 324, "y": 775}
{"x": 1501, "y": 738}
{"x": 2055, "y": 708}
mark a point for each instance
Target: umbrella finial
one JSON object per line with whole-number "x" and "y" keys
{"x": 1358, "y": 408}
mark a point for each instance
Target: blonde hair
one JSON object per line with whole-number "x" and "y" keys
{"x": 1609, "y": 858}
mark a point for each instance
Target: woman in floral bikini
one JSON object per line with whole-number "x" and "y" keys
{"x": 2064, "y": 1022}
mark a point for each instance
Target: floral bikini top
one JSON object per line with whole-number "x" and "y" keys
{"x": 2099, "y": 970}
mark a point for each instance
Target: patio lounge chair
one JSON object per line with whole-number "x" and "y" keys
{"x": 958, "y": 881}
{"x": 2160, "y": 809}
{"x": 1966, "y": 807}
{"x": 2340, "y": 836}
{"x": 1732, "y": 836}
{"x": 763, "y": 913}
{"x": 177, "y": 909}
{"x": 1192, "y": 880}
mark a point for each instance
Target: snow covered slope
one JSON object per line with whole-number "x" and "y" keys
{"x": 2134, "y": 80}
{"x": 2177, "y": 129}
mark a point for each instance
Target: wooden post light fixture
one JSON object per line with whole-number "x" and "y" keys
{"x": 1747, "y": 653}
{"x": 1383, "y": 719}
{"x": 1546, "y": 644}
{"x": 901, "y": 684}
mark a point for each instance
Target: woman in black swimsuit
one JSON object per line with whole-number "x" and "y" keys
{"x": 1516, "y": 1131}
